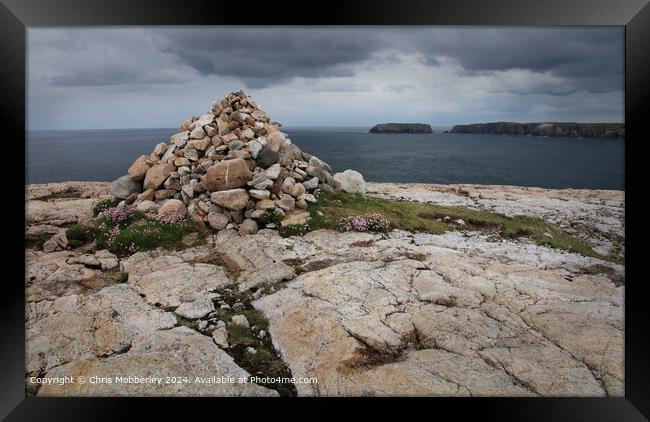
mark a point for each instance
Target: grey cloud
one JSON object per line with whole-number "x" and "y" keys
{"x": 148, "y": 75}
{"x": 589, "y": 59}
{"x": 263, "y": 57}
{"x": 100, "y": 57}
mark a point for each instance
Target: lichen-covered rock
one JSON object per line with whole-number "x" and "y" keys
{"x": 255, "y": 259}
{"x": 97, "y": 325}
{"x": 180, "y": 353}
{"x": 240, "y": 320}
{"x": 197, "y": 308}
{"x": 176, "y": 284}
{"x": 596, "y": 216}
{"x": 52, "y": 275}
{"x": 220, "y": 337}
{"x": 440, "y": 321}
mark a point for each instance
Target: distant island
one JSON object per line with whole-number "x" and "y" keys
{"x": 576, "y": 130}
{"x": 401, "y": 128}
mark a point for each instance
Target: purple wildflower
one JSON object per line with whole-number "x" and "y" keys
{"x": 119, "y": 213}
{"x": 369, "y": 222}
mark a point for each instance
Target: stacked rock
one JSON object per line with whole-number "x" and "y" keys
{"x": 228, "y": 167}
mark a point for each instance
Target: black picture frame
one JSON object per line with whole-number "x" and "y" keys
{"x": 16, "y": 15}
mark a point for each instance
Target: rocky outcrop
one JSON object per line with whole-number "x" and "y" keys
{"x": 574, "y": 130}
{"x": 66, "y": 191}
{"x": 451, "y": 323}
{"x": 401, "y": 128}
{"x": 455, "y": 314}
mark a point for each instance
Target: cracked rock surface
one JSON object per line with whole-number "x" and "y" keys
{"x": 464, "y": 318}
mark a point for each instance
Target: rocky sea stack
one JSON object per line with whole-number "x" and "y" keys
{"x": 231, "y": 168}
{"x": 401, "y": 128}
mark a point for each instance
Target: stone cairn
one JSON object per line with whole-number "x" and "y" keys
{"x": 228, "y": 168}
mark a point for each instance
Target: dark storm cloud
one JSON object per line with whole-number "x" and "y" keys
{"x": 538, "y": 49}
{"x": 591, "y": 59}
{"x": 263, "y": 57}
{"x": 99, "y": 57}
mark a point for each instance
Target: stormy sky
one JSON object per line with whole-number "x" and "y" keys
{"x": 137, "y": 77}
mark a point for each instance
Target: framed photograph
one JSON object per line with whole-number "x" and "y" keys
{"x": 415, "y": 200}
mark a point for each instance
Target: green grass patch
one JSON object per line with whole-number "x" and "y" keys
{"x": 254, "y": 317}
{"x": 330, "y": 208}
{"x": 430, "y": 218}
{"x": 143, "y": 233}
{"x": 264, "y": 362}
{"x": 270, "y": 216}
{"x": 240, "y": 336}
{"x": 79, "y": 234}
{"x": 294, "y": 230}
{"x": 35, "y": 241}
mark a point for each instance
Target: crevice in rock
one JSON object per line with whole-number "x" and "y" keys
{"x": 266, "y": 361}
{"x": 594, "y": 371}
{"x": 424, "y": 367}
{"x": 516, "y": 380}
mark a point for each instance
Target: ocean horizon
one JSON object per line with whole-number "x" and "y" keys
{"x": 488, "y": 159}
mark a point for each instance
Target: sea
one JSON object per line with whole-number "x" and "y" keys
{"x": 547, "y": 162}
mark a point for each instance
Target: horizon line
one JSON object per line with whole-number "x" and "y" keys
{"x": 329, "y": 126}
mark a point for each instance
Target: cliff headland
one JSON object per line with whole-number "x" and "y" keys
{"x": 575, "y": 130}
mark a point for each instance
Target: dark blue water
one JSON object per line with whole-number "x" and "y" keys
{"x": 425, "y": 158}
